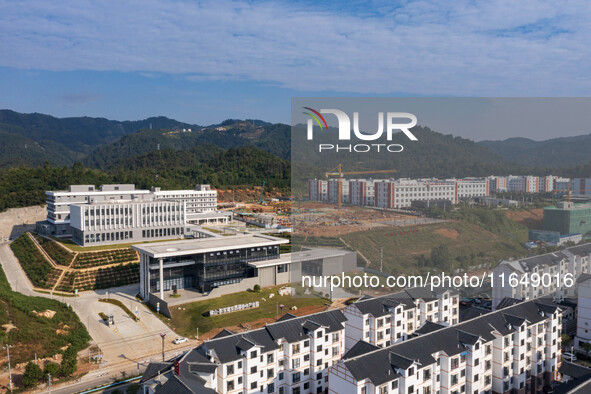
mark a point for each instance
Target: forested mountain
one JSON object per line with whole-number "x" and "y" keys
{"x": 556, "y": 152}
{"x": 272, "y": 138}
{"x": 169, "y": 169}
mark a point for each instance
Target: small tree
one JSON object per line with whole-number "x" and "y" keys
{"x": 33, "y": 374}
{"x": 586, "y": 346}
{"x": 257, "y": 288}
{"x": 51, "y": 368}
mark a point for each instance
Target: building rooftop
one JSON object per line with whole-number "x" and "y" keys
{"x": 380, "y": 366}
{"x": 228, "y": 348}
{"x": 204, "y": 245}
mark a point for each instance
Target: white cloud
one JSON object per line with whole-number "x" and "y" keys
{"x": 424, "y": 47}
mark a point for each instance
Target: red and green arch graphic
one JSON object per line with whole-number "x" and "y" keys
{"x": 315, "y": 116}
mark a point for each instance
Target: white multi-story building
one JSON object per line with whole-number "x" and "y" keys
{"x": 101, "y": 223}
{"x": 200, "y": 203}
{"x": 59, "y": 202}
{"x": 581, "y": 187}
{"x": 333, "y": 188}
{"x": 523, "y": 183}
{"x": 583, "y": 314}
{"x": 472, "y": 187}
{"x": 546, "y": 183}
{"x": 561, "y": 184}
{"x": 513, "y": 278}
{"x": 382, "y": 321}
{"x": 497, "y": 183}
{"x": 361, "y": 192}
{"x": 400, "y": 193}
{"x": 318, "y": 190}
{"x": 517, "y": 348}
{"x": 289, "y": 356}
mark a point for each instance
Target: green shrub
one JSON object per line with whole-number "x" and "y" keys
{"x": 51, "y": 368}
{"x": 33, "y": 374}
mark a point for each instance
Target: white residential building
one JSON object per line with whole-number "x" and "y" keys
{"x": 318, "y": 190}
{"x": 581, "y": 187}
{"x": 332, "y": 191}
{"x": 289, "y": 356}
{"x": 472, "y": 187}
{"x": 554, "y": 268}
{"x": 516, "y": 348}
{"x": 382, "y": 321}
{"x": 361, "y": 192}
{"x": 400, "y": 193}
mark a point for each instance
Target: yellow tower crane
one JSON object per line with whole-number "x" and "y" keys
{"x": 339, "y": 174}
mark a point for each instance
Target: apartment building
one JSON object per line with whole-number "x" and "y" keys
{"x": 361, "y": 192}
{"x": 289, "y": 356}
{"x": 497, "y": 183}
{"x": 581, "y": 187}
{"x": 333, "y": 189}
{"x": 472, "y": 187}
{"x": 552, "y": 267}
{"x": 561, "y": 184}
{"x": 101, "y": 223}
{"x": 382, "y": 321}
{"x": 318, "y": 190}
{"x": 400, "y": 193}
{"x": 515, "y": 349}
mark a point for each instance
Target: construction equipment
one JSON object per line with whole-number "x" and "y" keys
{"x": 262, "y": 191}
{"x": 339, "y": 174}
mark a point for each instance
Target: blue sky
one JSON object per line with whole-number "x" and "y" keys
{"x": 205, "y": 61}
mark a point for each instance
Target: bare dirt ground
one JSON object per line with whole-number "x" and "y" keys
{"x": 318, "y": 219}
{"x": 531, "y": 218}
{"x": 449, "y": 233}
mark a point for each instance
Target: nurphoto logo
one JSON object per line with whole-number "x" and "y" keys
{"x": 393, "y": 124}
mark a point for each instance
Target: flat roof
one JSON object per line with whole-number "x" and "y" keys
{"x": 204, "y": 245}
{"x": 305, "y": 255}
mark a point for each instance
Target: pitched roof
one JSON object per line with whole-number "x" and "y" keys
{"x": 224, "y": 333}
{"x": 428, "y": 327}
{"x": 361, "y": 347}
{"x": 451, "y": 340}
{"x": 229, "y": 347}
{"x": 154, "y": 369}
{"x": 573, "y": 370}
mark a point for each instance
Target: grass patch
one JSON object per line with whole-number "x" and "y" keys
{"x": 34, "y": 333}
{"x": 456, "y": 244}
{"x": 188, "y": 317}
{"x": 40, "y": 271}
{"x": 120, "y": 305}
{"x": 59, "y": 254}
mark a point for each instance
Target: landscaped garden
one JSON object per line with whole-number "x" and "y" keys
{"x": 38, "y": 269}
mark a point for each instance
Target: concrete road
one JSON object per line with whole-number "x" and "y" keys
{"x": 122, "y": 345}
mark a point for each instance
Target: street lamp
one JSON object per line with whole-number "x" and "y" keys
{"x": 162, "y": 335}
{"x": 9, "y": 371}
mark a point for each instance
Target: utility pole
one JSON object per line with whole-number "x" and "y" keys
{"x": 49, "y": 382}
{"x": 9, "y": 371}
{"x": 162, "y": 335}
{"x": 381, "y": 259}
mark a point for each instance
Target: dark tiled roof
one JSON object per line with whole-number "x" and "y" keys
{"x": 451, "y": 340}
{"x": 583, "y": 277}
{"x": 224, "y": 333}
{"x": 154, "y": 369}
{"x": 378, "y": 306}
{"x": 573, "y": 370}
{"x": 361, "y": 347}
{"x": 287, "y": 316}
{"x": 472, "y": 312}
{"x": 428, "y": 327}
{"x": 507, "y": 302}
{"x": 228, "y": 348}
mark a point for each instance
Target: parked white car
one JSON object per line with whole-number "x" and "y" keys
{"x": 180, "y": 340}
{"x": 568, "y": 356}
